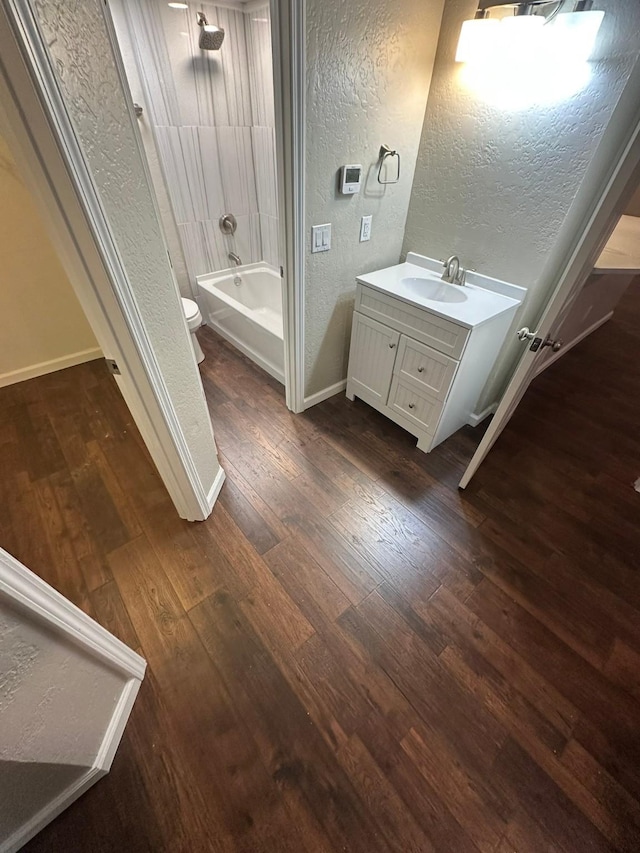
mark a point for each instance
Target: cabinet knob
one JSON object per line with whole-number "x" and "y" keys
{"x": 412, "y": 405}
{"x": 420, "y": 369}
{"x": 391, "y": 346}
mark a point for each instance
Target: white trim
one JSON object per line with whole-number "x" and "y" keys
{"x": 115, "y": 729}
{"x": 51, "y": 810}
{"x": 44, "y": 367}
{"x": 49, "y": 154}
{"x": 289, "y": 39}
{"x": 477, "y": 418}
{"x": 31, "y": 595}
{"x": 214, "y": 491}
{"x": 329, "y": 391}
{"x": 566, "y": 347}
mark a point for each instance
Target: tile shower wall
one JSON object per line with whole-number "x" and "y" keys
{"x": 212, "y": 116}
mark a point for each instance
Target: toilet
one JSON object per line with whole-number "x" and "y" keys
{"x": 194, "y": 321}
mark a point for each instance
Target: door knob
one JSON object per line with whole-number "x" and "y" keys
{"x": 524, "y": 334}
{"x": 537, "y": 343}
{"x": 549, "y": 342}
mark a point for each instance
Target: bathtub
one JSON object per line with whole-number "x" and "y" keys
{"x": 244, "y": 305}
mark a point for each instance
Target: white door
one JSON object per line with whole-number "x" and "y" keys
{"x": 597, "y": 230}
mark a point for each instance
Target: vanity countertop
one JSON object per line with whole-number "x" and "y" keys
{"x": 622, "y": 252}
{"x": 472, "y": 305}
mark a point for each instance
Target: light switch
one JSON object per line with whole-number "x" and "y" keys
{"x": 321, "y": 238}
{"x": 365, "y": 228}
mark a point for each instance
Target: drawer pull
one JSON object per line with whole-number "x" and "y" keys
{"x": 391, "y": 346}
{"x": 420, "y": 369}
{"x": 412, "y": 405}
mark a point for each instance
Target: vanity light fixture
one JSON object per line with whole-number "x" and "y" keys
{"x": 528, "y": 35}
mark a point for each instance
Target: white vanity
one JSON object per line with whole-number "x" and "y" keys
{"x": 422, "y": 350}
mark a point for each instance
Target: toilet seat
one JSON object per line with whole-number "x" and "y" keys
{"x": 192, "y": 313}
{"x": 194, "y": 321}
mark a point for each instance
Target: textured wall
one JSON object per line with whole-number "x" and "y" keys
{"x": 55, "y": 705}
{"x": 40, "y": 317}
{"x": 369, "y": 66}
{"x": 496, "y": 184}
{"x": 212, "y": 119}
{"x": 81, "y": 55}
{"x": 139, "y": 96}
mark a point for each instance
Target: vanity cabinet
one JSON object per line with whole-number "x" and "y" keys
{"x": 423, "y": 371}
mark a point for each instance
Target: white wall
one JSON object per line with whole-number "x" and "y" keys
{"x": 369, "y": 65}
{"x": 497, "y": 184}
{"x": 56, "y": 703}
{"x": 42, "y": 326}
{"x": 80, "y": 51}
{"x": 67, "y": 687}
{"x": 633, "y": 208}
{"x": 212, "y": 119}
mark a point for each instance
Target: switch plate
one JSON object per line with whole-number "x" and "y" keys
{"x": 365, "y": 228}
{"x": 321, "y": 238}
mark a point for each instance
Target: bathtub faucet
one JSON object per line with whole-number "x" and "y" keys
{"x": 235, "y": 259}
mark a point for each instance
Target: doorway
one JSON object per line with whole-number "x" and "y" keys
{"x": 206, "y": 114}
{"x": 599, "y": 261}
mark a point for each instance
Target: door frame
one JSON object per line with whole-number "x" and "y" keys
{"x": 47, "y": 151}
{"x": 591, "y": 235}
{"x": 288, "y": 39}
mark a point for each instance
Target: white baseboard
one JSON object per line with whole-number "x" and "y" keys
{"x": 214, "y": 491}
{"x": 566, "y": 347}
{"x": 330, "y": 391}
{"x": 42, "y": 604}
{"x": 100, "y": 768}
{"x": 51, "y": 810}
{"x": 51, "y": 366}
{"x": 475, "y": 419}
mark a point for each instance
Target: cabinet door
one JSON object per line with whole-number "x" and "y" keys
{"x": 373, "y": 352}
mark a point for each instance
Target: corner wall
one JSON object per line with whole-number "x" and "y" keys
{"x": 42, "y": 326}
{"x": 369, "y": 65}
{"x": 80, "y": 52}
{"x": 497, "y": 185}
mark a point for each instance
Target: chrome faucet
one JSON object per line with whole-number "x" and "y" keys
{"x": 453, "y": 273}
{"x": 235, "y": 259}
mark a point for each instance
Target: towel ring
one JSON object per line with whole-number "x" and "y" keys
{"x": 385, "y": 152}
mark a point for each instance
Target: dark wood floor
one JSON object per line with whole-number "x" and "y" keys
{"x": 351, "y": 655}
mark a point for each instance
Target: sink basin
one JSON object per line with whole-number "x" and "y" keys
{"x": 434, "y": 290}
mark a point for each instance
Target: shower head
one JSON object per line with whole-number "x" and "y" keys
{"x": 211, "y": 37}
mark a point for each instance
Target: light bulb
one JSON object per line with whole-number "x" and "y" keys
{"x": 572, "y": 35}
{"x": 476, "y": 39}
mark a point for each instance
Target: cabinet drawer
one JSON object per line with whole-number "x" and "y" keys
{"x": 419, "y": 408}
{"x": 418, "y": 323}
{"x": 431, "y": 369}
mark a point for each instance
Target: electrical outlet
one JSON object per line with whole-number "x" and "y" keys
{"x": 365, "y": 228}
{"x": 321, "y": 238}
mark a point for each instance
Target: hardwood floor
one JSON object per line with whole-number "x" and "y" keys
{"x": 350, "y": 654}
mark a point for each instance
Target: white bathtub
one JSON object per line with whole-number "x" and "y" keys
{"x": 244, "y": 305}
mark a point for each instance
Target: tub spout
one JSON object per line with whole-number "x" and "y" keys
{"x": 235, "y": 259}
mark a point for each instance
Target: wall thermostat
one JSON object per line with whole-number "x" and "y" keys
{"x": 350, "y": 177}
